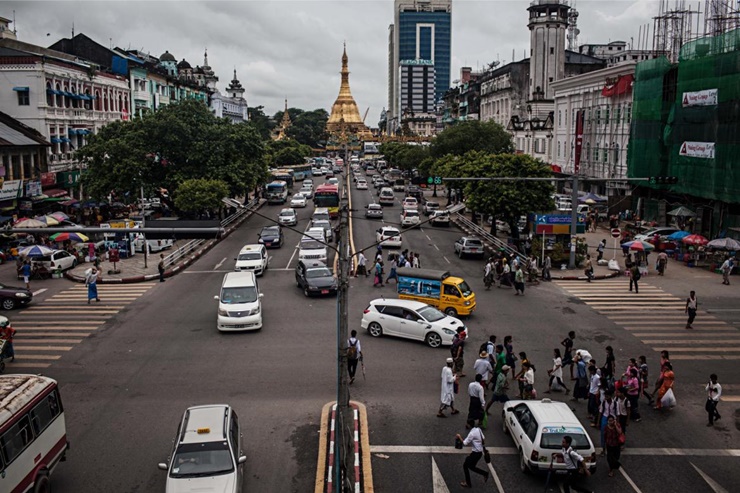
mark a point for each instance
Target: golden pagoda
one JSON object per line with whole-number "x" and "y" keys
{"x": 345, "y": 117}
{"x": 284, "y": 124}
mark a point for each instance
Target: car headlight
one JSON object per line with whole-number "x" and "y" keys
{"x": 448, "y": 332}
{"x": 223, "y": 312}
{"x": 256, "y": 311}
{"x": 21, "y": 295}
{"x": 467, "y": 303}
{"x": 312, "y": 288}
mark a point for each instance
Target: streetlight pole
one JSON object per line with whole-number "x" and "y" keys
{"x": 143, "y": 224}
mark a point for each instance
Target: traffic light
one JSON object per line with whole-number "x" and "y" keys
{"x": 663, "y": 180}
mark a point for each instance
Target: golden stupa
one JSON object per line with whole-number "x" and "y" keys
{"x": 345, "y": 117}
{"x": 285, "y": 123}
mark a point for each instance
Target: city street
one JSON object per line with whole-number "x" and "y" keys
{"x": 133, "y": 363}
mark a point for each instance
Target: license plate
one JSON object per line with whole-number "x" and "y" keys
{"x": 268, "y": 243}
{"x": 324, "y": 291}
{"x": 473, "y": 249}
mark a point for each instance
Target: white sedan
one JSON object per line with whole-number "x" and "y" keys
{"x": 361, "y": 184}
{"x": 538, "y": 428}
{"x": 410, "y": 320}
{"x": 298, "y": 200}
{"x": 388, "y": 236}
{"x": 287, "y": 217}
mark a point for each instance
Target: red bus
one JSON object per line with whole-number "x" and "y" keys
{"x": 327, "y": 196}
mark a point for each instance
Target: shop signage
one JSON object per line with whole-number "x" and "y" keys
{"x": 558, "y": 224}
{"x": 704, "y": 150}
{"x": 25, "y": 204}
{"x": 48, "y": 179}
{"x": 11, "y": 189}
{"x": 69, "y": 179}
{"x": 708, "y": 97}
{"x": 33, "y": 188}
{"x": 579, "y": 142}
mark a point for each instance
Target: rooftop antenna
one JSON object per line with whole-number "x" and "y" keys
{"x": 15, "y": 31}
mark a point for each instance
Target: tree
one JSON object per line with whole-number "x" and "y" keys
{"x": 261, "y": 122}
{"x": 199, "y": 195}
{"x": 404, "y": 156}
{"x": 309, "y": 127}
{"x": 285, "y": 152}
{"x": 508, "y": 199}
{"x": 472, "y": 135}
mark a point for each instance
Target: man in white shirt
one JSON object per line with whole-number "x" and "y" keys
{"x": 477, "y": 399}
{"x": 571, "y": 458}
{"x": 482, "y": 367}
{"x": 354, "y": 355}
{"x": 593, "y": 393}
{"x": 447, "y": 395}
{"x": 361, "y": 265}
{"x": 726, "y": 269}
{"x": 476, "y": 439}
{"x": 714, "y": 392}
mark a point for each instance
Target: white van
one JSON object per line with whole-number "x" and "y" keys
{"x": 252, "y": 257}
{"x": 240, "y": 302}
{"x": 386, "y": 196}
{"x": 320, "y": 214}
{"x": 310, "y": 249}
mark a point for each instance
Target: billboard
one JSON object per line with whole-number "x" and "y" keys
{"x": 415, "y": 286}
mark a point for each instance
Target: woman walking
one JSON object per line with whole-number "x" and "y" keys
{"x": 394, "y": 265}
{"x": 667, "y": 377}
{"x": 691, "y": 305}
{"x": 378, "y": 280}
{"x": 613, "y": 439}
{"x": 633, "y": 394}
{"x": 556, "y": 373}
{"x": 91, "y": 281}
{"x": 510, "y": 356}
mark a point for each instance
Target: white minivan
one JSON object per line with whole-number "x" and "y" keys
{"x": 386, "y": 196}
{"x": 252, "y": 257}
{"x": 240, "y": 302}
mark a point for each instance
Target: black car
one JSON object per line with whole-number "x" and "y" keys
{"x": 11, "y": 296}
{"x": 271, "y": 236}
{"x": 315, "y": 278}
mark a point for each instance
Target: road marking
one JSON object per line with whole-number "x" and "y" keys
{"x": 39, "y": 291}
{"x": 48, "y": 341}
{"x": 428, "y": 238}
{"x": 53, "y": 334}
{"x": 220, "y": 263}
{"x": 648, "y": 451}
{"x": 21, "y": 364}
{"x": 685, "y": 333}
{"x": 711, "y": 482}
{"x": 80, "y": 325}
{"x": 701, "y": 357}
{"x": 41, "y": 348}
{"x": 40, "y": 356}
{"x": 448, "y": 261}
{"x": 690, "y": 341}
{"x": 711, "y": 310}
{"x": 629, "y": 480}
{"x": 435, "y": 246}
{"x": 95, "y": 308}
{"x": 438, "y": 482}
{"x": 203, "y": 271}
{"x": 499, "y": 486}
{"x": 704, "y": 349}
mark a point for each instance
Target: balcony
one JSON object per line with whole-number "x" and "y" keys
{"x": 142, "y": 95}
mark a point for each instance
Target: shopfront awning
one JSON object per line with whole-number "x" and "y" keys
{"x": 49, "y": 90}
{"x": 21, "y": 89}
{"x": 56, "y": 140}
{"x": 55, "y": 192}
{"x": 65, "y": 139}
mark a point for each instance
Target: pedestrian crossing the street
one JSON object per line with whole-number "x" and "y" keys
{"x": 47, "y": 330}
{"x": 658, "y": 320}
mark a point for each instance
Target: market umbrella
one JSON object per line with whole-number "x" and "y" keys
{"x": 59, "y": 216}
{"x": 35, "y": 251}
{"x": 76, "y": 237}
{"x": 48, "y": 220}
{"x": 639, "y": 245}
{"x": 682, "y": 211}
{"x": 589, "y": 201}
{"x": 30, "y": 223}
{"x": 725, "y": 244}
{"x": 696, "y": 240}
{"x": 678, "y": 235}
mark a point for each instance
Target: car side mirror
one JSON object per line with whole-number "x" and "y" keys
{"x": 509, "y": 409}
{"x": 234, "y": 258}
{"x": 262, "y": 294}
{"x": 421, "y": 321}
{"x": 162, "y": 466}
{"x": 216, "y": 297}
{"x": 242, "y": 459}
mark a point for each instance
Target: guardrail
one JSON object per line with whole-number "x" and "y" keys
{"x": 193, "y": 245}
{"x": 494, "y": 242}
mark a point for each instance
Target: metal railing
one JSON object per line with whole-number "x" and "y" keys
{"x": 494, "y": 242}
{"x": 193, "y": 245}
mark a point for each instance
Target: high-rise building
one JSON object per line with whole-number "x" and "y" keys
{"x": 422, "y": 30}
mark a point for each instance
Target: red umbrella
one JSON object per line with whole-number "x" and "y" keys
{"x": 697, "y": 240}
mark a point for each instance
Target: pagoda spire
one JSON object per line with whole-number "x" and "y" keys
{"x": 344, "y": 110}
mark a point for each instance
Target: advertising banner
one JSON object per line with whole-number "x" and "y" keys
{"x": 579, "y": 142}
{"x": 708, "y": 97}
{"x": 418, "y": 287}
{"x": 33, "y": 188}
{"x": 704, "y": 150}
{"x": 11, "y": 189}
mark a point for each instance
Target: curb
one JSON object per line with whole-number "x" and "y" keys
{"x": 177, "y": 268}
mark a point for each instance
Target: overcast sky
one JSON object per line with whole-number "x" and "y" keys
{"x": 293, "y": 48}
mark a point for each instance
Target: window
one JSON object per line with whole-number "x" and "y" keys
{"x": 451, "y": 290}
{"x": 560, "y": 117}
{"x": 393, "y": 311}
{"x": 23, "y": 98}
{"x": 606, "y": 118}
{"x": 618, "y": 114}
{"x": 628, "y": 113}
{"x": 597, "y": 116}
{"x": 552, "y": 50}
{"x": 558, "y": 148}
{"x": 45, "y": 412}
{"x": 588, "y": 151}
{"x": 16, "y": 439}
{"x": 234, "y": 432}
{"x": 596, "y": 152}
{"x": 49, "y": 95}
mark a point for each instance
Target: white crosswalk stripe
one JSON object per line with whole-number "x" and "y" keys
{"x": 48, "y": 329}
{"x": 658, "y": 320}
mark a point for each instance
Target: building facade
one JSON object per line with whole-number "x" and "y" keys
{"x": 422, "y": 30}
{"x": 232, "y": 105}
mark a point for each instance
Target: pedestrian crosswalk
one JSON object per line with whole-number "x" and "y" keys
{"x": 658, "y": 320}
{"x": 47, "y": 329}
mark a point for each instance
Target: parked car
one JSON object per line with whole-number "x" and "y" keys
{"x": 537, "y": 429}
{"x": 298, "y": 200}
{"x": 58, "y": 259}
{"x": 315, "y": 278}
{"x": 271, "y": 236}
{"x": 469, "y": 245}
{"x": 12, "y": 296}
{"x": 288, "y": 217}
{"x": 409, "y": 217}
{"x": 648, "y": 235}
{"x": 388, "y": 236}
{"x": 409, "y": 320}
{"x": 374, "y": 211}
{"x": 440, "y": 217}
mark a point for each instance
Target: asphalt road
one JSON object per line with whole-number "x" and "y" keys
{"x": 125, "y": 389}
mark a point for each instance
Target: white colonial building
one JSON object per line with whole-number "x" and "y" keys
{"x": 233, "y": 105}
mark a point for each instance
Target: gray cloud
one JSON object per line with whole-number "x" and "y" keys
{"x": 294, "y": 48}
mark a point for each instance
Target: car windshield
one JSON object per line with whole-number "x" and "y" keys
{"x": 475, "y": 243}
{"x": 322, "y": 224}
{"x": 390, "y": 232}
{"x": 269, "y": 232}
{"x": 375, "y": 207}
{"x": 412, "y": 213}
{"x": 250, "y": 256}
{"x": 552, "y": 438}
{"x": 431, "y": 314}
{"x": 465, "y": 289}
{"x": 311, "y": 245}
{"x": 318, "y": 272}
{"x": 432, "y": 205}
{"x": 194, "y": 460}
{"x": 287, "y": 214}
{"x": 245, "y": 294}
{"x": 298, "y": 196}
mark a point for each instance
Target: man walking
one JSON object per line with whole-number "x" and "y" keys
{"x": 476, "y": 439}
{"x": 589, "y": 270}
{"x": 567, "y": 344}
{"x": 519, "y": 281}
{"x": 447, "y": 396}
{"x": 726, "y": 268}
{"x": 393, "y": 275}
{"x": 160, "y": 267}
{"x": 635, "y": 276}
{"x": 488, "y": 274}
{"x": 477, "y": 400}
{"x": 691, "y": 305}
{"x": 714, "y": 392}
{"x": 500, "y": 388}
{"x": 457, "y": 351}
{"x": 6, "y": 333}
{"x": 354, "y": 354}
{"x": 600, "y": 249}
{"x": 361, "y": 265}
{"x": 546, "y": 266}
{"x": 26, "y": 273}
{"x": 572, "y": 460}
{"x": 483, "y": 368}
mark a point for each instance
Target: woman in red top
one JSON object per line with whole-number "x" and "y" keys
{"x": 6, "y": 333}
{"x": 612, "y": 435}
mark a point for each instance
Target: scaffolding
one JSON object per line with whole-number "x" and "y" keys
{"x": 721, "y": 16}
{"x": 673, "y": 27}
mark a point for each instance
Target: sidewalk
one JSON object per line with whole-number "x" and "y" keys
{"x": 131, "y": 270}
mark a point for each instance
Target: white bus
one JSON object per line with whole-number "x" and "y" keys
{"x": 33, "y": 436}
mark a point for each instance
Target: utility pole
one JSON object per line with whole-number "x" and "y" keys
{"x": 573, "y": 222}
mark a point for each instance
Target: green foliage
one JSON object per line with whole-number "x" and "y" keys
{"x": 200, "y": 194}
{"x": 308, "y": 127}
{"x": 285, "y": 152}
{"x": 404, "y": 156}
{"x": 261, "y": 122}
{"x": 180, "y": 142}
{"x": 472, "y": 135}
{"x": 508, "y": 199}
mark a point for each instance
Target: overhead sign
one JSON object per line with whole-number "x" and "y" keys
{"x": 704, "y": 150}
{"x": 11, "y": 189}
{"x": 708, "y": 97}
{"x": 558, "y": 224}
{"x": 616, "y": 233}
{"x": 418, "y": 61}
